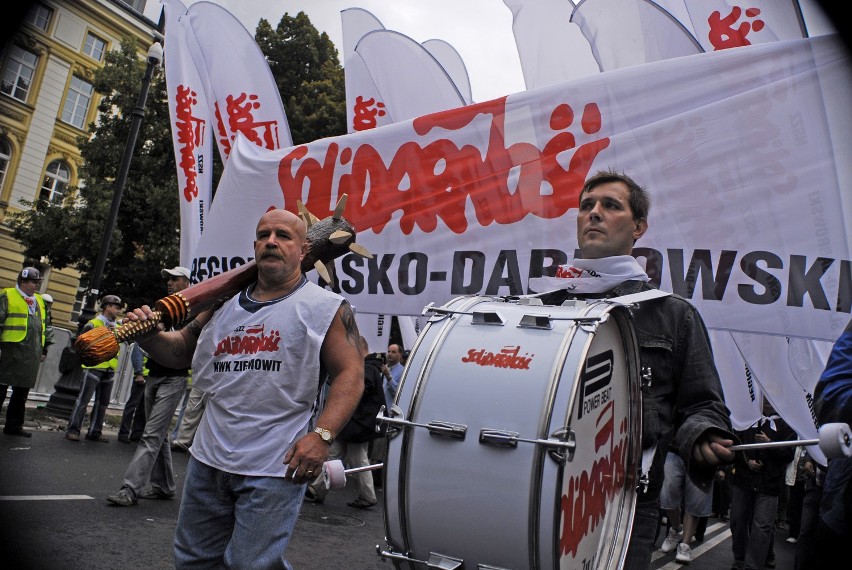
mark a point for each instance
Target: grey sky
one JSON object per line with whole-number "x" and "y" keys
{"x": 480, "y": 30}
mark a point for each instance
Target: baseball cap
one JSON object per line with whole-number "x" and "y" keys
{"x": 176, "y": 272}
{"x": 29, "y": 274}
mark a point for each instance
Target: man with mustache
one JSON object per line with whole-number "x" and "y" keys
{"x": 682, "y": 400}
{"x": 261, "y": 358}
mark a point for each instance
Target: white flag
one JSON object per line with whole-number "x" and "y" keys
{"x": 552, "y": 49}
{"x": 392, "y": 78}
{"x": 241, "y": 89}
{"x": 452, "y": 62}
{"x": 724, "y": 24}
{"x": 192, "y": 131}
{"x": 642, "y": 32}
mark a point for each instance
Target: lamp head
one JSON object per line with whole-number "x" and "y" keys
{"x": 155, "y": 54}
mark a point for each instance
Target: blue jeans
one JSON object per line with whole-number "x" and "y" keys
{"x": 99, "y": 383}
{"x": 235, "y": 521}
{"x": 153, "y": 457}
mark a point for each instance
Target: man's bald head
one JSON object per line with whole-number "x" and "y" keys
{"x": 285, "y": 216}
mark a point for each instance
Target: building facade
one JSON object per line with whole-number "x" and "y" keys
{"x": 46, "y": 103}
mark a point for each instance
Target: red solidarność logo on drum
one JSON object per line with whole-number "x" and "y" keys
{"x": 508, "y": 357}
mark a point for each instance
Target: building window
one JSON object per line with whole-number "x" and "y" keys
{"x": 77, "y": 102}
{"x": 18, "y": 73}
{"x": 39, "y": 16}
{"x": 94, "y": 47}
{"x": 56, "y": 180}
{"x": 5, "y": 159}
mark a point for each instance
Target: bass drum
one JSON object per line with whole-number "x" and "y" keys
{"x": 515, "y": 438}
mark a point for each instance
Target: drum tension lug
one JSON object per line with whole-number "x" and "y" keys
{"x": 438, "y": 561}
{"x": 436, "y": 428}
{"x": 447, "y": 429}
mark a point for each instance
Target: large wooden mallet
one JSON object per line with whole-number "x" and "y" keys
{"x": 329, "y": 239}
{"x": 101, "y": 343}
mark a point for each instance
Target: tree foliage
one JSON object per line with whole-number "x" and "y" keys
{"x": 146, "y": 236}
{"x": 307, "y": 70}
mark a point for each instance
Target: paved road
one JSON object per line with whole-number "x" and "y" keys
{"x": 53, "y": 514}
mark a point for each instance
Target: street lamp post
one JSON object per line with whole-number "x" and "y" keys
{"x": 67, "y": 388}
{"x": 155, "y": 57}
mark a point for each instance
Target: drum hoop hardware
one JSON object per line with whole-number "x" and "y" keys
{"x": 436, "y": 560}
{"x": 504, "y": 438}
{"x": 530, "y": 320}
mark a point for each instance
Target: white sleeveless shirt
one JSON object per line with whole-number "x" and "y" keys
{"x": 259, "y": 365}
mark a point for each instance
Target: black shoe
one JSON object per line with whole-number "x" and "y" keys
{"x": 123, "y": 439}
{"x": 155, "y": 494}
{"x": 123, "y": 498}
{"x": 17, "y": 432}
{"x": 135, "y": 438}
{"x": 99, "y": 438}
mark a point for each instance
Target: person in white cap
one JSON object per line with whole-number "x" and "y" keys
{"x": 164, "y": 387}
{"x": 22, "y": 339}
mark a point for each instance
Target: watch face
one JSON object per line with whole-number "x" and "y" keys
{"x": 324, "y": 434}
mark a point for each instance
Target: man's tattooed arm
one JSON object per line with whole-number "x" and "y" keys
{"x": 347, "y": 317}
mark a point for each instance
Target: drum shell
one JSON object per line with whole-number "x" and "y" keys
{"x": 517, "y": 507}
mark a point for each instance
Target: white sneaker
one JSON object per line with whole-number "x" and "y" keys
{"x": 684, "y": 553}
{"x": 670, "y": 543}
{"x": 792, "y": 540}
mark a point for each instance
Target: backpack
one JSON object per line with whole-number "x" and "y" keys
{"x": 361, "y": 426}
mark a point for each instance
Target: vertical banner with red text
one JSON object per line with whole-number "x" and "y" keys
{"x": 192, "y": 133}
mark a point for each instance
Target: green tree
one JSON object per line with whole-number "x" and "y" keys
{"x": 307, "y": 70}
{"x": 146, "y": 236}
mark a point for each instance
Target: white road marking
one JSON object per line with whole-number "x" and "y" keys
{"x": 44, "y": 497}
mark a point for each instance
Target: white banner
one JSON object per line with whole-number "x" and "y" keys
{"x": 240, "y": 86}
{"x": 748, "y": 220}
{"x": 192, "y": 132}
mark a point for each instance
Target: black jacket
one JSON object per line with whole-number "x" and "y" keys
{"x": 769, "y": 479}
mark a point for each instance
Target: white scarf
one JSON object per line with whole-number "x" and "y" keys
{"x": 585, "y": 276}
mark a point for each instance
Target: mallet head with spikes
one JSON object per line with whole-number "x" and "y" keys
{"x": 329, "y": 238}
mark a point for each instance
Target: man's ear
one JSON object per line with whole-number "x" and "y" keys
{"x": 641, "y": 228}
{"x": 306, "y": 246}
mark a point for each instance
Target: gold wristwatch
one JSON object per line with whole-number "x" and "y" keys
{"x": 324, "y": 434}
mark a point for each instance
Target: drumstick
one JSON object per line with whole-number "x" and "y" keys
{"x": 334, "y": 474}
{"x": 328, "y": 239}
{"x": 835, "y": 440}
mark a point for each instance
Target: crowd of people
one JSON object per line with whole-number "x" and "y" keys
{"x": 258, "y": 436}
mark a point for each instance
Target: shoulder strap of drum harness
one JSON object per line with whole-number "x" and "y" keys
{"x": 647, "y": 454}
